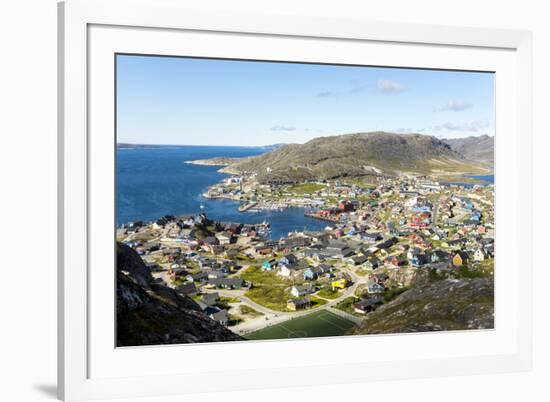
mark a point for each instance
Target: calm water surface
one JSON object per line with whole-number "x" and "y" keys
{"x": 152, "y": 182}
{"x": 487, "y": 179}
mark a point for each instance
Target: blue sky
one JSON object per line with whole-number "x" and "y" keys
{"x": 169, "y": 100}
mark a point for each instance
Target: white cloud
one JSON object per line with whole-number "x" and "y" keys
{"x": 445, "y": 129}
{"x": 455, "y": 106}
{"x": 474, "y": 126}
{"x": 390, "y": 87}
{"x": 282, "y": 128}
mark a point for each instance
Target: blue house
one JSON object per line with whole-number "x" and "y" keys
{"x": 269, "y": 265}
{"x": 309, "y": 274}
{"x": 313, "y": 273}
{"x": 476, "y": 215}
{"x": 422, "y": 208}
{"x": 288, "y": 260}
{"x": 417, "y": 260}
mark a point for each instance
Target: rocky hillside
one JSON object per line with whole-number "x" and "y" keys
{"x": 153, "y": 314}
{"x": 450, "y": 304}
{"x": 356, "y": 155}
{"x": 481, "y": 149}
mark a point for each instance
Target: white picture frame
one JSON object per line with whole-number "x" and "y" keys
{"x": 92, "y": 31}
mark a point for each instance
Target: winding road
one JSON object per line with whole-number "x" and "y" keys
{"x": 272, "y": 317}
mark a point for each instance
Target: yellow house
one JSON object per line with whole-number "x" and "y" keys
{"x": 340, "y": 284}
{"x": 459, "y": 259}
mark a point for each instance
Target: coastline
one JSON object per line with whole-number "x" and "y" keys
{"x": 217, "y": 161}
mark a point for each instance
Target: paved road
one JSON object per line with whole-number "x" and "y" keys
{"x": 272, "y": 317}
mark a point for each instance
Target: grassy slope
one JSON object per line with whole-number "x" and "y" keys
{"x": 353, "y": 155}
{"x": 268, "y": 289}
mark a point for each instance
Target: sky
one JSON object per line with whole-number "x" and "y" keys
{"x": 186, "y": 101}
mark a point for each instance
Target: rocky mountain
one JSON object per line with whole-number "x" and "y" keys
{"x": 356, "y": 155}
{"x": 481, "y": 148}
{"x": 449, "y": 304}
{"x": 153, "y": 314}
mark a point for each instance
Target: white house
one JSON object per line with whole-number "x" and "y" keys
{"x": 479, "y": 255}
{"x": 224, "y": 237}
{"x": 284, "y": 271}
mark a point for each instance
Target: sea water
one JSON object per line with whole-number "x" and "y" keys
{"x": 156, "y": 181}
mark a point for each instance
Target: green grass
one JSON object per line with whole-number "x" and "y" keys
{"x": 487, "y": 266}
{"x": 469, "y": 272}
{"x": 249, "y": 311}
{"x": 327, "y": 293}
{"x": 225, "y": 299}
{"x": 347, "y": 304}
{"x": 305, "y": 188}
{"x": 392, "y": 293}
{"x": 363, "y": 182}
{"x": 272, "y": 297}
{"x": 316, "y": 302}
{"x": 322, "y": 323}
{"x": 243, "y": 258}
{"x": 363, "y": 271}
{"x": 268, "y": 289}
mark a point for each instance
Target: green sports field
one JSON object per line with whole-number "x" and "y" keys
{"x": 322, "y": 323}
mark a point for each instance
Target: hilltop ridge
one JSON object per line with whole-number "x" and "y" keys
{"x": 357, "y": 154}
{"x": 480, "y": 148}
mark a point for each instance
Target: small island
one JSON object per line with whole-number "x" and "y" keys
{"x": 218, "y": 161}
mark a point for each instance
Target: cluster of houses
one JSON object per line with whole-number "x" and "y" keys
{"x": 209, "y": 304}
{"x": 393, "y": 229}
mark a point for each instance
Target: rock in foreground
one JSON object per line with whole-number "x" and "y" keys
{"x": 153, "y": 314}
{"x": 445, "y": 305}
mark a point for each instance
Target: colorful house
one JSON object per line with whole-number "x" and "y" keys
{"x": 460, "y": 259}
{"x": 269, "y": 265}
{"x": 339, "y": 284}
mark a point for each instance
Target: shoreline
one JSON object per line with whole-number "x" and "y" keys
{"x": 216, "y": 161}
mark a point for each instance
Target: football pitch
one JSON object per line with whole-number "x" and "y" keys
{"x": 322, "y": 323}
